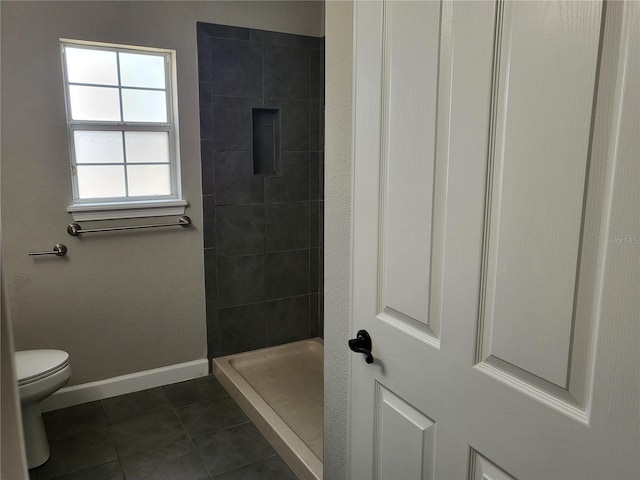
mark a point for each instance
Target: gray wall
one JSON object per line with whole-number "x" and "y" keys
{"x": 120, "y": 302}
{"x": 262, "y": 229}
{"x": 337, "y": 288}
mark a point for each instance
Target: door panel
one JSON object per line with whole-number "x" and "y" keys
{"x": 545, "y": 77}
{"x": 486, "y": 148}
{"x": 544, "y": 202}
{"x": 405, "y": 439}
{"x": 482, "y": 469}
{"x": 411, "y": 246}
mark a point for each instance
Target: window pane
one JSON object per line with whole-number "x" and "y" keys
{"x": 141, "y": 70}
{"x": 147, "y": 146}
{"x": 148, "y": 180}
{"x": 101, "y": 181}
{"x": 91, "y": 66}
{"x": 144, "y": 106}
{"x": 98, "y": 147}
{"x": 94, "y": 103}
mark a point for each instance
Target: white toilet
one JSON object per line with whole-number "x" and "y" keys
{"x": 40, "y": 373}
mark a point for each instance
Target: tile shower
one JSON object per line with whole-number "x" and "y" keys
{"x": 261, "y": 130}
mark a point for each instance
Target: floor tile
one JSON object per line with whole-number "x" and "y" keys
{"x": 194, "y": 391}
{"x": 212, "y": 415}
{"x": 270, "y": 469}
{"x": 107, "y": 471}
{"x": 145, "y": 433}
{"x": 73, "y": 420}
{"x": 136, "y": 404}
{"x": 171, "y": 462}
{"x": 149, "y": 439}
{"x": 232, "y": 448}
{"x": 78, "y": 452}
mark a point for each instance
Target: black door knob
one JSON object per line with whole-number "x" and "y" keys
{"x": 362, "y": 344}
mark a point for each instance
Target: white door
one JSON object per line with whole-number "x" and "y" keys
{"x": 497, "y": 240}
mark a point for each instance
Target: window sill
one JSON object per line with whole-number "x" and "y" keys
{"x": 113, "y": 211}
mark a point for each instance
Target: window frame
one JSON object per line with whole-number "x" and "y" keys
{"x": 126, "y": 206}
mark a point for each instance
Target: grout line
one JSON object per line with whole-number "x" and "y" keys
{"x": 249, "y": 151}
{"x": 275, "y": 454}
{"x": 260, "y": 253}
{"x": 265, "y": 301}
{"x": 115, "y": 446}
{"x": 229, "y": 427}
{"x": 112, "y": 438}
{"x": 309, "y": 294}
{"x": 259, "y": 204}
{"x": 193, "y": 445}
{"x": 264, "y": 53}
{"x": 179, "y": 407}
{"x": 264, "y": 265}
{"x": 258, "y": 97}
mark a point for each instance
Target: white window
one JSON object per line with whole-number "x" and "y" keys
{"x": 123, "y": 137}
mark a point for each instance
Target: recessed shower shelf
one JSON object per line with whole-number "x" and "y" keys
{"x": 265, "y": 127}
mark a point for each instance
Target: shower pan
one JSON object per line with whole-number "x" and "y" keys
{"x": 281, "y": 389}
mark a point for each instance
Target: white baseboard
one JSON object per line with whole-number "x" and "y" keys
{"x": 133, "y": 382}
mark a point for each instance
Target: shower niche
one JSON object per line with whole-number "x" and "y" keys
{"x": 265, "y": 128}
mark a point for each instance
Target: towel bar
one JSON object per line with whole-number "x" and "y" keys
{"x": 74, "y": 229}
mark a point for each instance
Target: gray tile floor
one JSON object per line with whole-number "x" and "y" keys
{"x": 186, "y": 431}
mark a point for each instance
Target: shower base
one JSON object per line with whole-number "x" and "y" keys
{"x": 281, "y": 391}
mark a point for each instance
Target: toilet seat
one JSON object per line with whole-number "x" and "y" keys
{"x": 34, "y": 365}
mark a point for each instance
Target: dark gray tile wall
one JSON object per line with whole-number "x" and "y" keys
{"x": 263, "y": 233}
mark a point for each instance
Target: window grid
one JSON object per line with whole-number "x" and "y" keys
{"x": 124, "y": 145}
{"x": 119, "y": 89}
{"x": 123, "y": 126}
